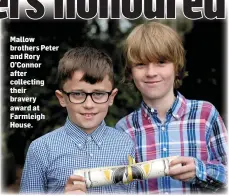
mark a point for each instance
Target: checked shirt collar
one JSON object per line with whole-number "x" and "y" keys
{"x": 81, "y": 138}
{"x": 178, "y": 108}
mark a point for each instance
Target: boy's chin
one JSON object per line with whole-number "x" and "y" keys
{"x": 152, "y": 97}
{"x": 90, "y": 124}
{"x": 90, "y": 128}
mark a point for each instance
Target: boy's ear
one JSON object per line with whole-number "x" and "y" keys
{"x": 112, "y": 96}
{"x": 60, "y": 97}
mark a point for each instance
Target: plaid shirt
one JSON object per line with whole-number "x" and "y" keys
{"x": 192, "y": 128}
{"x": 52, "y": 158}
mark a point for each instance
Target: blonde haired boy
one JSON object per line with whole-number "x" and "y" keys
{"x": 168, "y": 124}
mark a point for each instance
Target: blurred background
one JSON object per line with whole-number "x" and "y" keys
{"x": 204, "y": 42}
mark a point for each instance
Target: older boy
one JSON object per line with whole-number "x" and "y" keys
{"x": 167, "y": 123}
{"x": 86, "y": 90}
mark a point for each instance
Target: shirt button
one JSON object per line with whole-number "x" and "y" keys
{"x": 162, "y": 128}
{"x": 91, "y": 154}
{"x": 89, "y": 138}
{"x": 164, "y": 149}
{"x": 79, "y": 145}
{"x": 152, "y": 110}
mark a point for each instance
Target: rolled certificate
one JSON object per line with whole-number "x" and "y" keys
{"x": 126, "y": 173}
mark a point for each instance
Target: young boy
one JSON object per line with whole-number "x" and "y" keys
{"x": 86, "y": 90}
{"x": 167, "y": 123}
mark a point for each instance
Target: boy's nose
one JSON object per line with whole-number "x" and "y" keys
{"x": 151, "y": 71}
{"x": 88, "y": 102}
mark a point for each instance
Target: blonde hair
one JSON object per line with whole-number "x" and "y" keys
{"x": 154, "y": 42}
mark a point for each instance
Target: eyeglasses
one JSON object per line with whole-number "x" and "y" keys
{"x": 78, "y": 97}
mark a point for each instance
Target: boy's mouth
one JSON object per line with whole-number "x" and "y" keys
{"x": 152, "y": 82}
{"x": 88, "y": 115}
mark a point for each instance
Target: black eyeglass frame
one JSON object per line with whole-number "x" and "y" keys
{"x": 90, "y": 94}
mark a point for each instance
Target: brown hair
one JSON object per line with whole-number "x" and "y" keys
{"x": 94, "y": 63}
{"x": 154, "y": 42}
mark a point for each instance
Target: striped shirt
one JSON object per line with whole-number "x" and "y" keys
{"x": 52, "y": 158}
{"x": 193, "y": 129}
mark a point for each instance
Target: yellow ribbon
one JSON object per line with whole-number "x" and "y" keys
{"x": 131, "y": 161}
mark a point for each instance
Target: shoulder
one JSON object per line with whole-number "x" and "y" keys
{"x": 127, "y": 121}
{"x": 202, "y": 109}
{"x": 48, "y": 139}
{"x": 118, "y": 135}
{"x": 203, "y": 106}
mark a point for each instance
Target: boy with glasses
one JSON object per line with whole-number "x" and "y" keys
{"x": 86, "y": 83}
{"x": 167, "y": 124}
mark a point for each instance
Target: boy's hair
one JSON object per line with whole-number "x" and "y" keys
{"x": 93, "y": 63}
{"x": 154, "y": 42}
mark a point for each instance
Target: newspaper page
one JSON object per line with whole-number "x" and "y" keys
{"x": 36, "y": 34}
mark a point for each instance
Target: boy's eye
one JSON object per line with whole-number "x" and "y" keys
{"x": 78, "y": 94}
{"x": 99, "y": 94}
{"x": 139, "y": 65}
{"x": 162, "y": 60}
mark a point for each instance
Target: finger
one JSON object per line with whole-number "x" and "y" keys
{"x": 181, "y": 170}
{"x": 73, "y": 178}
{"x": 74, "y": 187}
{"x": 78, "y": 182}
{"x": 181, "y": 160}
{"x": 184, "y": 177}
{"x": 71, "y": 187}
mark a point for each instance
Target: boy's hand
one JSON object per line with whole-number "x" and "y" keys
{"x": 185, "y": 172}
{"x": 75, "y": 185}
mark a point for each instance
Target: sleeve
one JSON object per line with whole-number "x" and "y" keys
{"x": 121, "y": 125}
{"x": 212, "y": 174}
{"x": 125, "y": 124}
{"x": 33, "y": 177}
